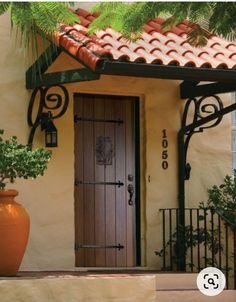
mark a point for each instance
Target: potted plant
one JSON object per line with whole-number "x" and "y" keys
{"x": 16, "y": 161}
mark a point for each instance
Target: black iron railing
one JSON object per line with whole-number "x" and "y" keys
{"x": 208, "y": 239}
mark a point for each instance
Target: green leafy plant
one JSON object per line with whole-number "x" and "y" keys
{"x": 33, "y": 18}
{"x": 222, "y": 198}
{"x": 221, "y": 203}
{"x": 19, "y": 161}
{"x": 189, "y": 237}
{"x": 129, "y": 18}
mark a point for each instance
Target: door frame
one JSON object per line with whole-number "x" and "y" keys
{"x": 137, "y": 215}
{"x": 137, "y": 179}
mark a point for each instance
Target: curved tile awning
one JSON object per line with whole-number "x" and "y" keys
{"x": 155, "y": 47}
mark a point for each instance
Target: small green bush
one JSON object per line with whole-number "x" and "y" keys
{"x": 222, "y": 198}
{"x": 19, "y": 161}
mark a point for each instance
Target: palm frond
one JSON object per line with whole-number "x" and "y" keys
{"x": 204, "y": 23}
{"x": 169, "y": 23}
{"x": 51, "y": 14}
{"x": 111, "y": 16}
{"x": 32, "y": 19}
{"x": 21, "y": 17}
{"x": 222, "y": 20}
{"x": 127, "y": 18}
{"x": 180, "y": 10}
{"x": 231, "y": 36}
{"x": 4, "y": 6}
{"x": 198, "y": 36}
{"x": 105, "y": 7}
{"x": 199, "y": 10}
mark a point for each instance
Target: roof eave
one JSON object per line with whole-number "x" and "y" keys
{"x": 167, "y": 72}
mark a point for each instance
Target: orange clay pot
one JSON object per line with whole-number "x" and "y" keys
{"x": 14, "y": 233}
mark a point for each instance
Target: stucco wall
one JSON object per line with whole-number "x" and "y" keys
{"x": 50, "y": 200}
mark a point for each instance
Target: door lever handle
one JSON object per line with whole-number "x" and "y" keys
{"x": 130, "y": 190}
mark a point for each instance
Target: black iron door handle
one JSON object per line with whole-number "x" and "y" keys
{"x": 130, "y": 189}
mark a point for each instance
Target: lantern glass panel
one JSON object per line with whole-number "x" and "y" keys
{"x": 51, "y": 139}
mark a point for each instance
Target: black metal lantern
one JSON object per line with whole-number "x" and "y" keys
{"x": 51, "y": 135}
{"x": 47, "y": 104}
{"x": 50, "y": 130}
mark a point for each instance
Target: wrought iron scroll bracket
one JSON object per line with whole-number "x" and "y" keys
{"x": 41, "y": 102}
{"x": 199, "y": 114}
{"x": 203, "y": 113}
{"x": 196, "y": 110}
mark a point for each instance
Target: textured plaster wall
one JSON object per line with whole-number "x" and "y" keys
{"x": 49, "y": 199}
{"x": 210, "y": 158}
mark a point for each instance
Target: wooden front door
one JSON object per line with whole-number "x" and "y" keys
{"x": 104, "y": 181}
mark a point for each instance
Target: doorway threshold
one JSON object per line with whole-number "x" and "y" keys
{"x": 136, "y": 269}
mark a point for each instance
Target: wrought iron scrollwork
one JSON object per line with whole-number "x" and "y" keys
{"x": 197, "y": 110}
{"x": 199, "y": 114}
{"x": 56, "y": 103}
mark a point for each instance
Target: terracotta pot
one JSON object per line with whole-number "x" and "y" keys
{"x": 14, "y": 233}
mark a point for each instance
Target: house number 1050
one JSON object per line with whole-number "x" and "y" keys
{"x": 164, "y": 150}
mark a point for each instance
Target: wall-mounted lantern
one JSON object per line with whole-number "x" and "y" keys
{"x": 44, "y": 108}
{"x": 50, "y": 129}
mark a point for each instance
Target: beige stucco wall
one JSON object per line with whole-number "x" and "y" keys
{"x": 50, "y": 200}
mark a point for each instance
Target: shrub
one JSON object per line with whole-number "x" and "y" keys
{"x": 19, "y": 161}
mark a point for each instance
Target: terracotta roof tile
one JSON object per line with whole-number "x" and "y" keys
{"x": 118, "y": 55}
{"x": 83, "y": 21}
{"x": 84, "y": 13}
{"x": 154, "y": 47}
{"x": 155, "y": 26}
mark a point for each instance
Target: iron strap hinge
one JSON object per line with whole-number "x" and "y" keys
{"x": 97, "y": 120}
{"x": 89, "y": 246}
{"x": 80, "y": 182}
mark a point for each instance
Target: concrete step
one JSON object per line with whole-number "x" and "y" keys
{"x": 84, "y": 288}
{"x": 182, "y": 287}
{"x": 193, "y": 296}
{"x": 176, "y": 281}
{"x": 104, "y": 287}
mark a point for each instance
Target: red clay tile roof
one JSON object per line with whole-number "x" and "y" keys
{"x": 155, "y": 47}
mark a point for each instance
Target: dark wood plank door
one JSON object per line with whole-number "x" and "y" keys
{"x": 104, "y": 181}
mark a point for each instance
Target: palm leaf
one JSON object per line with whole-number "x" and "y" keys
{"x": 170, "y": 23}
{"x": 217, "y": 17}
{"x": 4, "y": 6}
{"x": 51, "y": 15}
{"x": 111, "y": 16}
{"x": 198, "y": 36}
{"x": 32, "y": 19}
